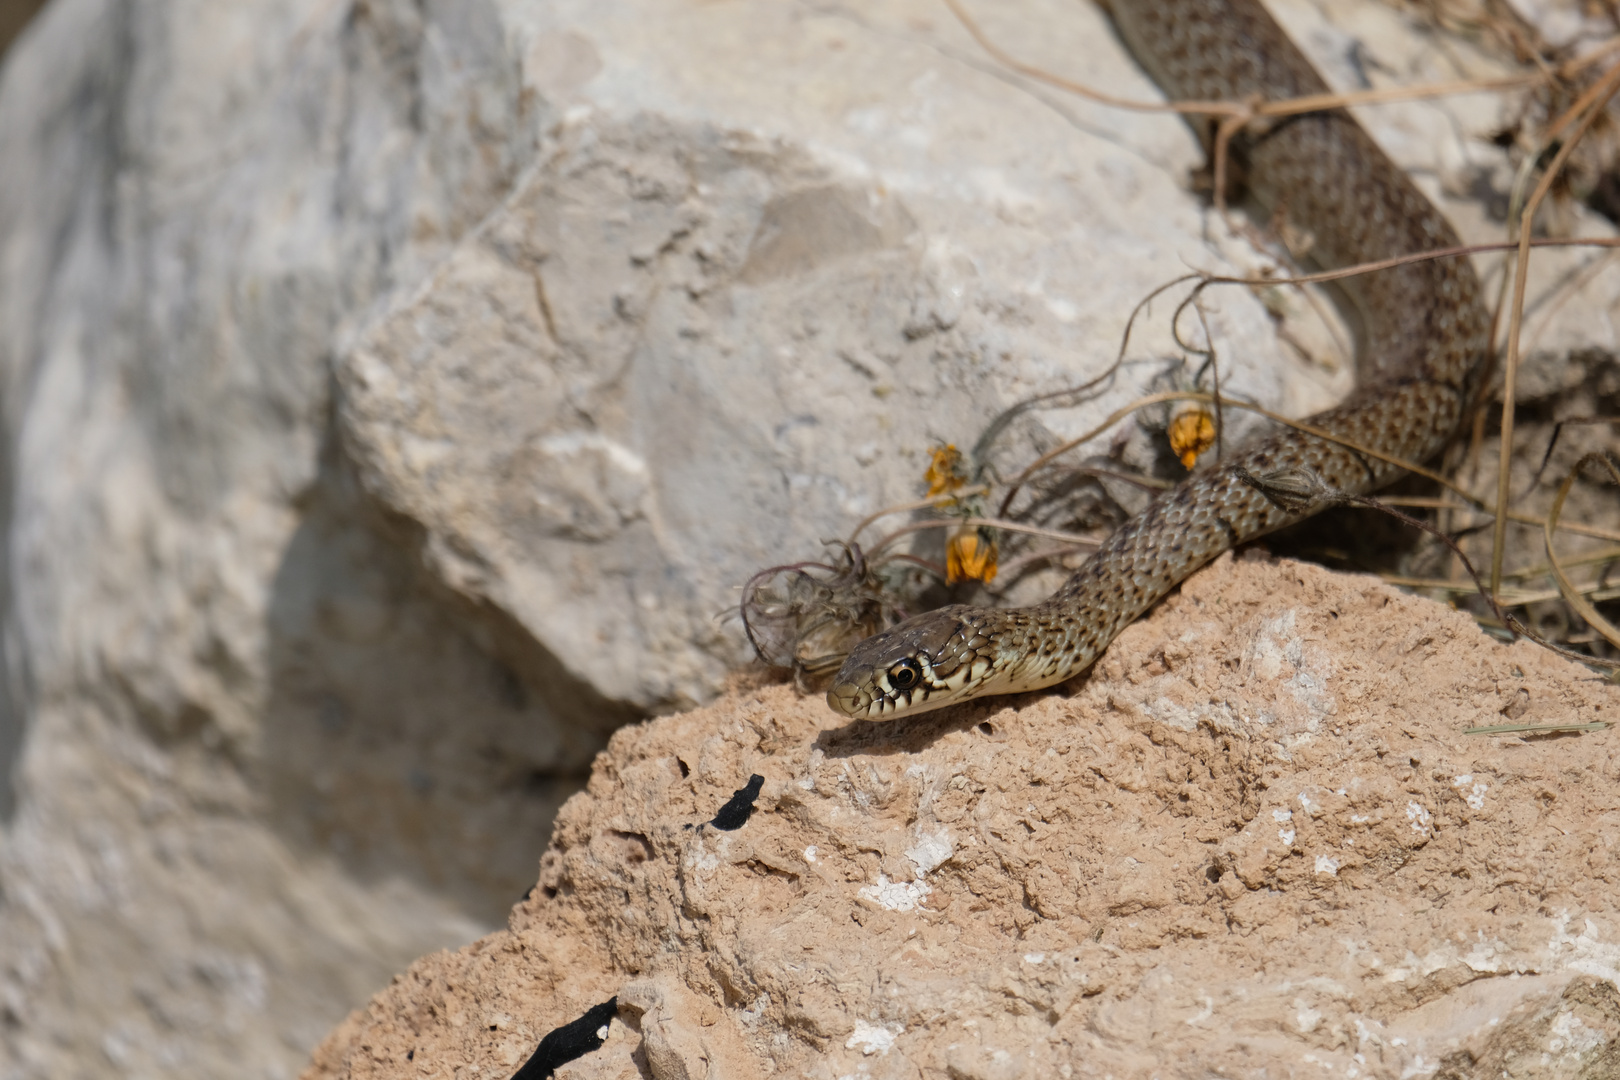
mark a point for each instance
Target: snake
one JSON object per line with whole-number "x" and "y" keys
{"x": 1422, "y": 358}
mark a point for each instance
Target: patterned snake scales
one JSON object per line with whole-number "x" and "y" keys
{"x": 1421, "y": 359}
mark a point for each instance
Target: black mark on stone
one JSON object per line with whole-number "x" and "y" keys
{"x": 573, "y": 1040}
{"x": 736, "y": 812}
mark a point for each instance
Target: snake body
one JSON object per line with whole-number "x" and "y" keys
{"x": 1422, "y": 357}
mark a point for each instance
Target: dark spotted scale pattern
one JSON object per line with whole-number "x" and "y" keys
{"x": 1422, "y": 355}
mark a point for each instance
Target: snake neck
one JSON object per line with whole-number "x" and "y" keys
{"x": 1212, "y": 512}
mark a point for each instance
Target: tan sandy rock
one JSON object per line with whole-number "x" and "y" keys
{"x": 1255, "y": 841}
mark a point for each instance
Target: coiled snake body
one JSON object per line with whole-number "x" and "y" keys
{"x": 1423, "y": 353}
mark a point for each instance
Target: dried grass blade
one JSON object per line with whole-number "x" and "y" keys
{"x": 1536, "y": 729}
{"x": 1573, "y": 596}
{"x": 1595, "y": 101}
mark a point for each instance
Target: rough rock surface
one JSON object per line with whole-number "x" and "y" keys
{"x": 1255, "y": 842}
{"x": 394, "y": 391}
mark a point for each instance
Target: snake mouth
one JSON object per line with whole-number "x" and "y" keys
{"x": 859, "y": 703}
{"x": 884, "y": 703}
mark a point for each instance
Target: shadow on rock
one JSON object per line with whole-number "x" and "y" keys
{"x": 912, "y": 734}
{"x": 411, "y": 733}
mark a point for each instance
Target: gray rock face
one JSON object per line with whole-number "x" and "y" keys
{"x": 195, "y": 199}
{"x": 394, "y": 394}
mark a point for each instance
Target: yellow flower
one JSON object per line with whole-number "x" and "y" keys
{"x": 945, "y": 472}
{"x": 1192, "y": 431}
{"x": 970, "y": 556}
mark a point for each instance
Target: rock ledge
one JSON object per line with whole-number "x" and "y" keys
{"x": 1254, "y": 842}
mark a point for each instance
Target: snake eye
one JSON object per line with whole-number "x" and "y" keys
{"x": 905, "y": 675}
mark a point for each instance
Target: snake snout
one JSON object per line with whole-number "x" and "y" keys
{"x": 845, "y": 697}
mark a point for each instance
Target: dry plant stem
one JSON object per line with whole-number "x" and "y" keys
{"x": 1516, "y": 197}
{"x": 1113, "y": 418}
{"x": 1579, "y": 530}
{"x": 750, "y": 589}
{"x": 1005, "y": 59}
{"x": 920, "y": 504}
{"x": 1136, "y": 312}
{"x": 1214, "y": 384}
{"x": 1595, "y": 100}
{"x": 1146, "y": 483}
{"x": 1471, "y": 501}
{"x": 1572, "y": 595}
{"x": 1513, "y": 515}
{"x": 1568, "y": 116}
{"x": 981, "y": 447}
{"x": 1229, "y": 127}
{"x": 1290, "y": 107}
{"x": 1489, "y": 596}
{"x": 1194, "y": 301}
{"x": 1592, "y": 593}
{"x": 1399, "y": 260}
{"x": 1332, "y": 496}
{"x": 1566, "y": 289}
{"x": 1235, "y": 116}
{"x": 1574, "y": 527}
{"x": 994, "y": 523}
{"x": 1209, "y": 399}
{"x": 1596, "y": 557}
{"x": 1476, "y": 446}
{"x": 1424, "y": 502}
{"x": 1558, "y": 430}
{"x": 1124, "y": 344}
{"x": 1013, "y": 567}
{"x": 1508, "y": 598}
{"x": 993, "y": 430}
{"x": 1501, "y": 296}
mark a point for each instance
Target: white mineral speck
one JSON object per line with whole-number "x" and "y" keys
{"x": 896, "y": 895}
{"x": 871, "y": 1039}
{"x": 932, "y": 848}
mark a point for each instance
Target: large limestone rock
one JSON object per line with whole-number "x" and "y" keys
{"x": 251, "y": 750}
{"x": 394, "y": 393}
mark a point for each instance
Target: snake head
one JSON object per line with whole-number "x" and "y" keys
{"x": 927, "y": 662}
